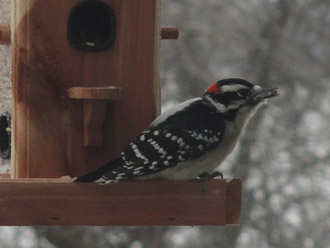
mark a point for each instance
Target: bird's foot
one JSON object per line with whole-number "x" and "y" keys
{"x": 206, "y": 176}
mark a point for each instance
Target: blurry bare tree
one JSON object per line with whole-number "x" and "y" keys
{"x": 283, "y": 158}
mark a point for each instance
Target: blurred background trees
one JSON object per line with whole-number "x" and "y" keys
{"x": 283, "y": 157}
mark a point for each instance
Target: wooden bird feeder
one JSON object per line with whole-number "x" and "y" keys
{"x": 85, "y": 82}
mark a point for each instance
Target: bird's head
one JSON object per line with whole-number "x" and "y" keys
{"x": 235, "y": 93}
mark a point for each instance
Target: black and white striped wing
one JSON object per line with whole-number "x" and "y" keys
{"x": 157, "y": 150}
{"x": 172, "y": 138}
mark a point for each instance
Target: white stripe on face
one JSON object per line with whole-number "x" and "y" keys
{"x": 222, "y": 108}
{"x": 233, "y": 88}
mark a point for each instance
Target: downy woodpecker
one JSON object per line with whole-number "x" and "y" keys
{"x": 190, "y": 139}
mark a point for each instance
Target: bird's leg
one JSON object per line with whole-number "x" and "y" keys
{"x": 206, "y": 176}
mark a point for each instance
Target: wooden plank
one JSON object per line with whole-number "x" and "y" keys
{"x": 234, "y": 201}
{"x": 157, "y": 53}
{"x": 60, "y": 202}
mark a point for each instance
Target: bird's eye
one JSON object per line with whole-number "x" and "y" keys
{"x": 242, "y": 93}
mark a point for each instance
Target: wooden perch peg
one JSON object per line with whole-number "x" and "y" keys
{"x": 169, "y": 33}
{"x": 5, "y": 33}
{"x": 94, "y": 110}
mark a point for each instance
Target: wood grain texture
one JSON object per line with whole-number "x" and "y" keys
{"x": 94, "y": 100}
{"x": 60, "y": 202}
{"x": 94, "y": 115}
{"x": 48, "y": 126}
{"x": 101, "y": 93}
{"x": 234, "y": 198}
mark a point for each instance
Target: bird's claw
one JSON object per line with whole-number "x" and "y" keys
{"x": 206, "y": 176}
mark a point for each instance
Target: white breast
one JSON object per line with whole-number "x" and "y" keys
{"x": 210, "y": 161}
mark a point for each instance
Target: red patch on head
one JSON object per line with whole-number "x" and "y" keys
{"x": 214, "y": 89}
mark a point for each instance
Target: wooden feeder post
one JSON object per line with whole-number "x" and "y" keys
{"x": 85, "y": 82}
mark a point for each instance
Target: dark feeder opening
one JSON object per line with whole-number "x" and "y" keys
{"x": 91, "y": 26}
{"x": 5, "y": 136}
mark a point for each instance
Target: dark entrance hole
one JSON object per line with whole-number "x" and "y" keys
{"x": 91, "y": 26}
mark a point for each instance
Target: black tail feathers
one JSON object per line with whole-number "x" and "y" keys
{"x": 94, "y": 175}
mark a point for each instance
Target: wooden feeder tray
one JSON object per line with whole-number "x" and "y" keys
{"x": 59, "y": 202}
